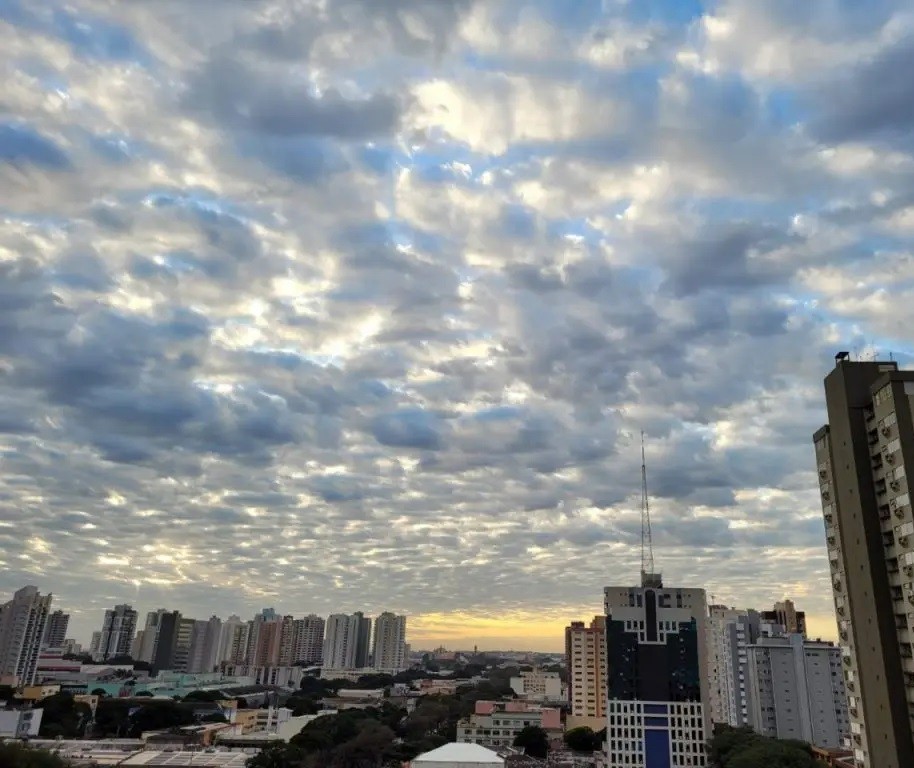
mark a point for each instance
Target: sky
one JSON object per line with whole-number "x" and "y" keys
{"x": 337, "y": 305}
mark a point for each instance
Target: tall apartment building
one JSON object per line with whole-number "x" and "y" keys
{"x": 730, "y": 632}
{"x": 796, "y": 690}
{"x": 656, "y": 670}
{"x": 786, "y": 615}
{"x": 145, "y": 644}
{"x": 235, "y": 636}
{"x": 363, "y": 642}
{"x": 308, "y": 639}
{"x": 389, "y": 652}
{"x": 340, "y": 641}
{"x": 863, "y": 456}
{"x": 94, "y": 644}
{"x": 22, "y": 624}
{"x": 118, "y": 629}
{"x": 55, "y": 631}
{"x": 585, "y": 659}
{"x": 166, "y": 646}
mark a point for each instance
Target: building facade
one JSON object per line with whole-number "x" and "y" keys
{"x": 786, "y": 615}
{"x": 55, "y": 631}
{"x": 796, "y": 690}
{"x": 363, "y": 642}
{"x": 863, "y": 456}
{"x": 389, "y": 653}
{"x": 496, "y": 724}
{"x": 146, "y": 647}
{"x": 585, "y": 659}
{"x": 118, "y": 629}
{"x": 657, "y": 682}
{"x": 308, "y": 639}
{"x": 340, "y": 641}
{"x": 730, "y": 633}
{"x": 22, "y": 624}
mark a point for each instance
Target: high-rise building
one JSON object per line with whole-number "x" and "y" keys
{"x": 796, "y": 690}
{"x": 308, "y": 639}
{"x": 22, "y": 624}
{"x": 786, "y": 615}
{"x": 363, "y": 643}
{"x": 145, "y": 645}
{"x": 585, "y": 658}
{"x": 118, "y": 629}
{"x": 234, "y": 642}
{"x": 656, "y": 670}
{"x": 864, "y": 455}
{"x": 55, "y": 631}
{"x": 730, "y": 632}
{"x": 166, "y": 646}
{"x": 340, "y": 641}
{"x": 94, "y": 644}
{"x": 389, "y": 643}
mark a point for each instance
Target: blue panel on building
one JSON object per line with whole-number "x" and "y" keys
{"x": 656, "y": 722}
{"x": 657, "y": 749}
{"x": 655, "y": 709}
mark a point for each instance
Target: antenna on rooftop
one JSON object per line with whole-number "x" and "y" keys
{"x": 648, "y": 577}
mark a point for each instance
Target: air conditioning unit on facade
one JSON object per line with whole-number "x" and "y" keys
{"x": 899, "y": 512}
{"x": 903, "y": 541}
{"x": 826, "y": 495}
{"x": 894, "y": 485}
{"x": 890, "y": 457}
{"x": 886, "y": 431}
{"x": 908, "y": 570}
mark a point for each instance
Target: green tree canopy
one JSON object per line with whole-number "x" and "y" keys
{"x": 534, "y": 740}
{"x": 15, "y": 755}
{"x": 583, "y": 739}
{"x": 744, "y": 748}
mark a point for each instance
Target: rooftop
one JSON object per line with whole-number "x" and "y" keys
{"x": 460, "y": 753}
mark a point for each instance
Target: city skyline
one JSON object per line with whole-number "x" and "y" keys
{"x": 284, "y": 325}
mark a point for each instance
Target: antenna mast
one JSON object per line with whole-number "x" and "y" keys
{"x": 648, "y": 577}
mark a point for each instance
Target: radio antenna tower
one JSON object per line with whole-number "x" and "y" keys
{"x": 648, "y": 577}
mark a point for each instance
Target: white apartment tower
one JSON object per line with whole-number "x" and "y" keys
{"x": 55, "y": 631}
{"x": 340, "y": 640}
{"x": 389, "y": 650}
{"x": 309, "y": 639}
{"x": 118, "y": 629}
{"x": 730, "y": 632}
{"x": 585, "y": 658}
{"x": 22, "y": 624}
{"x": 145, "y": 648}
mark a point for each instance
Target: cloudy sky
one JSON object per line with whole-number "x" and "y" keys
{"x": 362, "y": 304}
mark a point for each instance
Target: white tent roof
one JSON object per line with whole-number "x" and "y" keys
{"x": 460, "y": 753}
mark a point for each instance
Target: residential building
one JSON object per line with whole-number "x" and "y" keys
{"x": 585, "y": 659}
{"x": 657, "y": 682}
{"x": 287, "y": 642}
{"x": 496, "y": 724}
{"x": 539, "y": 685}
{"x": 340, "y": 640}
{"x": 137, "y": 644}
{"x": 865, "y": 454}
{"x": 309, "y": 639}
{"x": 363, "y": 642}
{"x": 20, "y": 723}
{"x": 166, "y": 649}
{"x": 267, "y": 647}
{"x": 94, "y": 645}
{"x": 22, "y": 624}
{"x": 183, "y": 640}
{"x": 730, "y": 632}
{"x": 786, "y": 614}
{"x": 228, "y": 642}
{"x": 118, "y": 629}
{"x": 146, "y": 648}
{"x": 797, "y": 690}
{"x": 55, "y": 631}
{"x": 389, "y": 652}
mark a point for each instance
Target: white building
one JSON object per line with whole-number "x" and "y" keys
{"x": 204, "y": 645}
{"x": 340, "y": 640}
{"x": 55, "y": 631}
{"x": 657, "y": 681}
{"x": 797, "y": 690}
{"x": 118, "y": 629}
{"x": 538, "y": 685}
{"x": 22, "y": 624}
{"x": 309, "y": 639}
{"x": 456, "y": 755}
{"x": 20, "y": 723}
{"x": 730, "y": 632}
{"x": 389, "y": 651}
{"x": 146, "y": 648}
{"x": 496, "y": 724}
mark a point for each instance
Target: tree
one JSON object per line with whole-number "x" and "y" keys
{"x": 583, "y": 739}
{"x": 534, "y": 740}
{"x": 62, "y": 716}
{"x": 17, "y": 755}
{"x": 99, "y": 692}
{"x": 744, "y": 748}
{"x": 277, "y": 756}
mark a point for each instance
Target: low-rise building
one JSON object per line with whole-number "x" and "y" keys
{"x": 539, "y": 685}
{"x": 496, "y": 724}
{"x": 20, "y": 723}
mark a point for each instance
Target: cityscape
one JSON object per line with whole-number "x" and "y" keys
{"x": 456, "y": 384}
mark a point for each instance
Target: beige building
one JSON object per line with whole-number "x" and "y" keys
{"x": 863, "y": 456}
{"x": 22, "y": 625}
{"x": 585, "y": 657}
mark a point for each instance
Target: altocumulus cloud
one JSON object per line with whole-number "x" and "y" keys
{"x": 362, "y": 305}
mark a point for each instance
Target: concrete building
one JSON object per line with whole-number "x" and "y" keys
{"x": 585, "y": 659}
{"x": 227, "y": 642}
{"x": 865, "y": 455}
{"x": 340, "y": 641}
{"x": 730, "y": 632}
{"x": 308, "y": 639}
{"x": 786, "y": 615}
{"x": 146, "y": 648}
{"x": 236, "y": 637}
{"x": 94, "y": 645}
{"x": 389, "y": 652}
{"x": 495, "y": 724}
{"x": 363, "y": 641}
{"x": 796, "y": 690}
{"x": 55, "y": 631}
{"x": 118, "y": 629}
{"x": 20, "y": 723}
{"x": 286, "y": 642}
{"x": 658, "y": 710}
{"x": 166, "y": 641}
{"x": 22, "y": 624}
{"x": 539, "y": 685}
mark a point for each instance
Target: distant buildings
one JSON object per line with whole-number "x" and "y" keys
{"x": 308, "y": 639}
{"x": 730, "y": 632}
{"x": 363, "y": 641}
{"x": 786, "y": 615}
{"x": 538, "y": 685}
{"x": 341, "y": 637}
{"x": 585, "y": 659}
{"x": 865, "y": 455}
{"x": 796, "y": 690}
{"x": 118, "y": 629}
{"x": 55, "y": 631}
{"x": 389, "y": 652}
{"x": 657, "y": 709}
{"x": 22, "y": 626}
